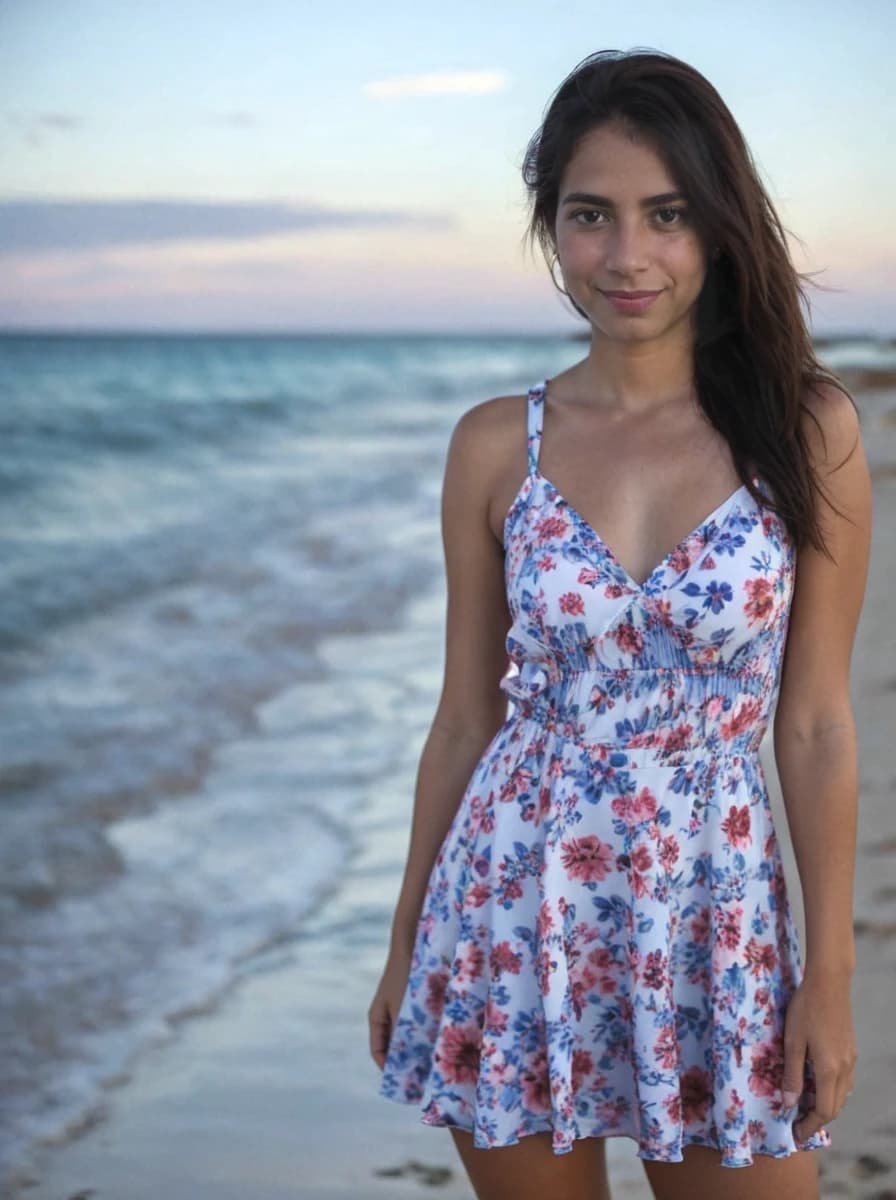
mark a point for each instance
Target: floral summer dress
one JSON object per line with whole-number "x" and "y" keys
{"x": 606, "y": 945}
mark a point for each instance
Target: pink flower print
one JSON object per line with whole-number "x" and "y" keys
{"x": 666, "y": 1049}
{"x": 728, "y": 926}
{"x": 682, "y": 556}
{"x": 516, "y": 785}
{"x": 545, "y": 921}
{"x": 479, "y": 894}
{"x": 672, "y": 1105}
{"x": 551, "y": 526}
{"x": 501, "y": 1071}
{"x": 707, "y": 654}
{"x": 612, "y": 1110}
{"x": 767, "y": 1067}
{"x": 601, "y": 957}
{"x": 503, "y": 958}
{"x": 761, "y": 598}
{"x": 678, "y": 738}
{"x": 669, "y": 851}
{"x": 644, "y": 806}
{"x": 727, "y": 940}
{"x": 763, "y": 1005}
{"x": 580, "y": 980}
{"x": 495, "y": 1018}
{"x": 745, "y": 716}
{"x": 543, "y": 969}
{"x": 756, "y": 1130}
{"x": 663, "y": 612}
{"x": 589, "y": 576}
{"x": 436, "y": 983}
{"x": 555, "y": 768}
{"x": 760, "y": 957}
{"x": 629, "y": 638}
{"x": 633, "y": 955}
{"x": 512, "y": 889}
{"x": 599, "y": 699}
{"x": 713, "y": 707}
{"x": 737, "y": 826}
{"x": 582, "y": 1066}
{"x": 642, "y": 859}
{"x": 470, "y": 962}
{"x": 459, "y": 1052}
{"x": 547, "y": 562}
{"x": 654, "y": 973}
{"x": 695, "y": 1086}
{"x": 641, "y": 885}
{"x": 587, "y": 858}
{"x": 545, "y": 800}
{"x": 734, "y": 1109}
{"x": 536, "y": 1082}
{"x": 572, "y": 604}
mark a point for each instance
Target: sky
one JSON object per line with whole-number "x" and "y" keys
{"x": 309, "y": 167}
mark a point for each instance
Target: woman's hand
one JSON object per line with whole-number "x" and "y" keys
{"x": 383, "y": 1011}
{"x": 818, "y": 1026}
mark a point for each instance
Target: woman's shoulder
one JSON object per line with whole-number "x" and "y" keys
{"x": 830, "y": 422}
{"x": 493, "y": 429}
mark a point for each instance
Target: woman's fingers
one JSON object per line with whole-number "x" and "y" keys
{"x": 380, "y": 1028}
{"x": 823, "y": 1110}
{"x": 794, "y": 1053}
{"x": 832, "y": 1086}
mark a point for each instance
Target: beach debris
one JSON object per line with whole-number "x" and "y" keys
{"x": 867, "y": 1165}
{"x": 431, "y": 1175}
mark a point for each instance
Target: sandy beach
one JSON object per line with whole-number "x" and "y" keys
{"x": 272, "y": 1093}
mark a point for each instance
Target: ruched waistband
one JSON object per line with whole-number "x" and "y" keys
{"x": 658, "y": 715}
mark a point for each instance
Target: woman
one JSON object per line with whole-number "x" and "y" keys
{"x": 593, "y": 936}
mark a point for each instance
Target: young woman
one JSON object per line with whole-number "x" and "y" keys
{"x": 670, "y": 541}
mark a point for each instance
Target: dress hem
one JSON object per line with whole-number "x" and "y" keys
{"x": 819, "y": 1140}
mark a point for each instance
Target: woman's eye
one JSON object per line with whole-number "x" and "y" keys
{"x": 587, "y": 212}
{"x": 677, "y": 212}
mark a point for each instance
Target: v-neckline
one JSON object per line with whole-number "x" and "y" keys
{"x": 711, "y": 519}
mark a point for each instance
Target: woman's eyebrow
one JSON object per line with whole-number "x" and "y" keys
{"x": 604, "y": 202}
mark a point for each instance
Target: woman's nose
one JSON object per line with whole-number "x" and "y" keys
{"x": 626, "y": 249}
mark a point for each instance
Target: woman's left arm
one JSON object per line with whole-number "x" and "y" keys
{"x": 816, "y": 756}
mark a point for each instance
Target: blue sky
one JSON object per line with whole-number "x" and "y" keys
{"x": 357, "y": 166}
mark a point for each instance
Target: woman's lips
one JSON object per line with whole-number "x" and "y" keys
{"x": 631, "y": 302}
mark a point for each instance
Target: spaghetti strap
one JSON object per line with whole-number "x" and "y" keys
{"x": 534, "y": 421}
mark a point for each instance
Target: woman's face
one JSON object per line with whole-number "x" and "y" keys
{"x": 623, "y": 239}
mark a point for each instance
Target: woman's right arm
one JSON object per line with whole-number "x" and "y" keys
{"x": 471, "y": 707}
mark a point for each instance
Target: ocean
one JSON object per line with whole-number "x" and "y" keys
{"x": 221, "y": 600}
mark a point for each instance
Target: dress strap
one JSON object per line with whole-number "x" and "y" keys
{"x": 534, "y": 422}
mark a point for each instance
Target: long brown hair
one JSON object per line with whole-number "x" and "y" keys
{"x": 753, "y": 354}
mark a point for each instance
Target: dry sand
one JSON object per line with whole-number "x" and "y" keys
{"x": 246, "y": 1102}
